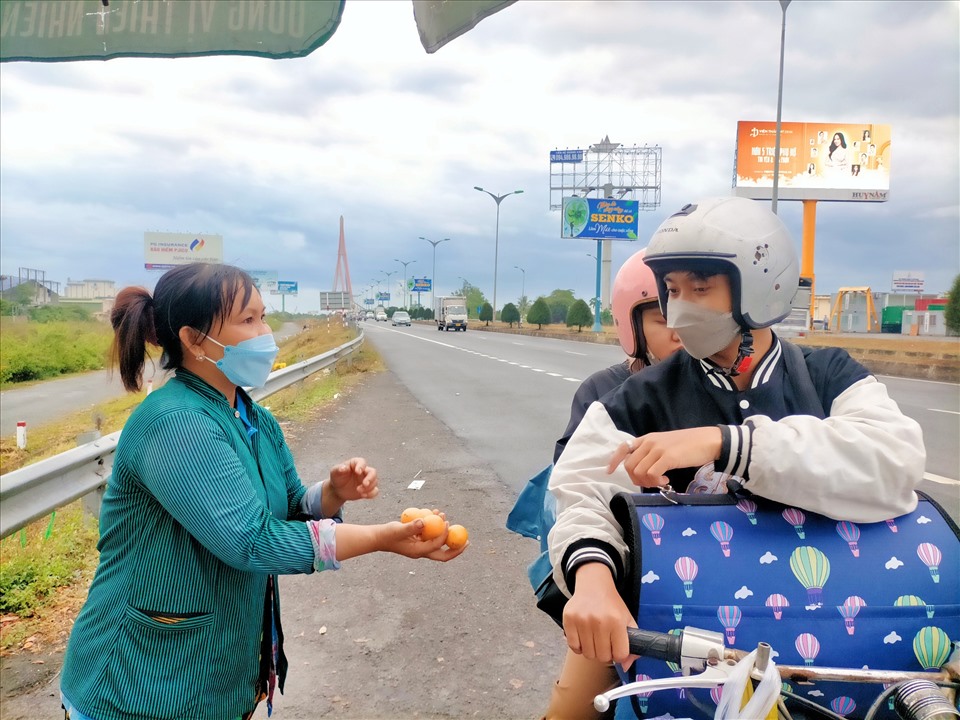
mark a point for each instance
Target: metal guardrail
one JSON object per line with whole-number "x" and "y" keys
{"x": 35, "y": 491}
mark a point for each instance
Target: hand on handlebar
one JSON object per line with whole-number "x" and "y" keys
{"x": 595, "y": 619}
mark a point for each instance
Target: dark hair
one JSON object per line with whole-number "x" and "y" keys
{"x": 833, "y": 143}
{"x": 195, "y": 296}
{"x": 640, "y": 360}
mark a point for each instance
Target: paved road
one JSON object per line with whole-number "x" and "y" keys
{"x": 45, "y": 401}
{"x": 509, "y": 396}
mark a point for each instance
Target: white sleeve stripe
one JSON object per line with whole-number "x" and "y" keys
{"x": 590, "y": 554}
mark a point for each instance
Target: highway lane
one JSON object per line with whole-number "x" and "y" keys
{"x": 508, "y": 397}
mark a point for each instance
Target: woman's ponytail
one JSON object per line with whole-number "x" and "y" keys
{"x": 133, "y": 326}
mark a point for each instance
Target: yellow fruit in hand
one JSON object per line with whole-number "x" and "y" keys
{"x": 433, "y": 527}
{"x": 412, "y": 513}
{"x": 456, "y": 537}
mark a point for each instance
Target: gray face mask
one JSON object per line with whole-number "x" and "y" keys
{"x": 703, "y": 332}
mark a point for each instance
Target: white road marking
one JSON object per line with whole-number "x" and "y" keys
{"x": 488, "y": 357}
{"x": 952, "y": 412}
{"x": 571, "y": 352}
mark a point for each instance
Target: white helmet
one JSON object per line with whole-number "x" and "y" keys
{"x": 741, "y": 238}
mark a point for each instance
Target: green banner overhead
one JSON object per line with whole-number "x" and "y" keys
{"x": 65, "y": 30}
{"x": 440, "y": 21}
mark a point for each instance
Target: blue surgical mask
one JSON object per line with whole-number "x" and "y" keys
{"x": 248, "y": 363}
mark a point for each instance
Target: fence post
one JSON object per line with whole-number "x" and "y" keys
{"x": 91, "y": 501}
{"x": 22, "y": 434}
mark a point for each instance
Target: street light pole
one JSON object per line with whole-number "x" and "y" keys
{"x": 496, "y": 247}
{"x": 776, "y": 150}
{"x": 404, "y": 263}
{"x": 523, "y": 291}
{"x": 433, "y": 280}
{"x": 388, "y": 274}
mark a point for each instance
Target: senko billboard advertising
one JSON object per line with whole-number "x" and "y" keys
{"x": 599, "y": 218}
{"x": 818, "y": 161}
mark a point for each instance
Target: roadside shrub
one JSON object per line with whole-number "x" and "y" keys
{"x": 579, "y": 315}
{"x": 510, "y": 314}
{"x": 486, "y": 312}
{"x": 539, "y": 314}
{"x": 951, "y": 314}
{"x": 34, "y": 351}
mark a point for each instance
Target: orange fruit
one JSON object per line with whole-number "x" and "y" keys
{"x": 433, "y": 527}
{"x": 411, "y": 514}
{"x": 456, "y": 537}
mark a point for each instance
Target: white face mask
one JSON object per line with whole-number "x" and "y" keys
{"x": 703, "y": 332}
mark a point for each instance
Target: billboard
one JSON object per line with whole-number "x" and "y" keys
{"x": 599, "y": 218}
{"x": 285, "y": 287}
{"x": 266, "y": 280}
{"x": 818, "y": 161}
{"x": 335, "y": 300}
{"x": 907, "y": 281}
{"x": 421, "y": 285}
{"x": 383, "y": 296}
{"x": 162, "y": 251}
{"x": 566, "y": 156}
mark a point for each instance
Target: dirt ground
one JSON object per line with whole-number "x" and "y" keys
{"x": 386, "y": 637}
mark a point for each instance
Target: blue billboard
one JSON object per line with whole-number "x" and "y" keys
{"x": 599, "y": 218}
{"x": 421, "y": 284}
{"x": 566, "y": 156}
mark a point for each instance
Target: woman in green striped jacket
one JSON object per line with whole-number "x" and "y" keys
{"x": 203, "y": 510}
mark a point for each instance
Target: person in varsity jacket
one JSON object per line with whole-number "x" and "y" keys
{"x": 826, "y": 438}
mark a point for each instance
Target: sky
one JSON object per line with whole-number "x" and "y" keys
{"x": 270, "y": 153}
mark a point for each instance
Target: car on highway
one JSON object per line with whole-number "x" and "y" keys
{"x": 370, "y": 315}
{"x": 401, "y": 317}
{"x": 381, "y": 316}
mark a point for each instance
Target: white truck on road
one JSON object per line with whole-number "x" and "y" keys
{"x": 450, "y": 311}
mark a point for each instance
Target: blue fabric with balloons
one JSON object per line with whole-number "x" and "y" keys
{"x": 839, "y": 594}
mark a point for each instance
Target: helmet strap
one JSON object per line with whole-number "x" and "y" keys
{"x": 744, "y": 356}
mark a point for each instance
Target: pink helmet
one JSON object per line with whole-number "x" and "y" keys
{"x": 634, "y": 287}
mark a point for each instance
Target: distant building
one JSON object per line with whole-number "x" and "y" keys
{"x": 87, "y": 290}
{"x": 96, "y": 295}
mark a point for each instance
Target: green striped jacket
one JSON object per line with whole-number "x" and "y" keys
{"x": 194, "y": 519}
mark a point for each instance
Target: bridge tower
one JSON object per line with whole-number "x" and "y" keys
{"x": 341, "y": 278}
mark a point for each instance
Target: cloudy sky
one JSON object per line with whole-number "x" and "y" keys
{"x": 270, "y": 153}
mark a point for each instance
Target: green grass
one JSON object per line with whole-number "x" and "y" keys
{"x": 38, "y": 351}
{"x": 33, "y": 564}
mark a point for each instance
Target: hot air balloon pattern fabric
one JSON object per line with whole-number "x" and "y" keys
{"x": 931, "y": 556}
{"x": 846, "y": 594}
{"x": 729, "y": 617}
{"x": 723, "y": 534}
{"x": 687, "y": 569}
{"x": 932, "y": 647}
{"x": 796, "y": 518}
{"x": 812, "y": 569}
{"x": 808, "y": 647}
{"x": 851, "y": 533}
{"x": 915, "y": 601}
{"x": 849, "y": 611}
{"x": 748, "y": 507}
{"x": 653, "y": 523}
{"x": 843, "y": 705}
